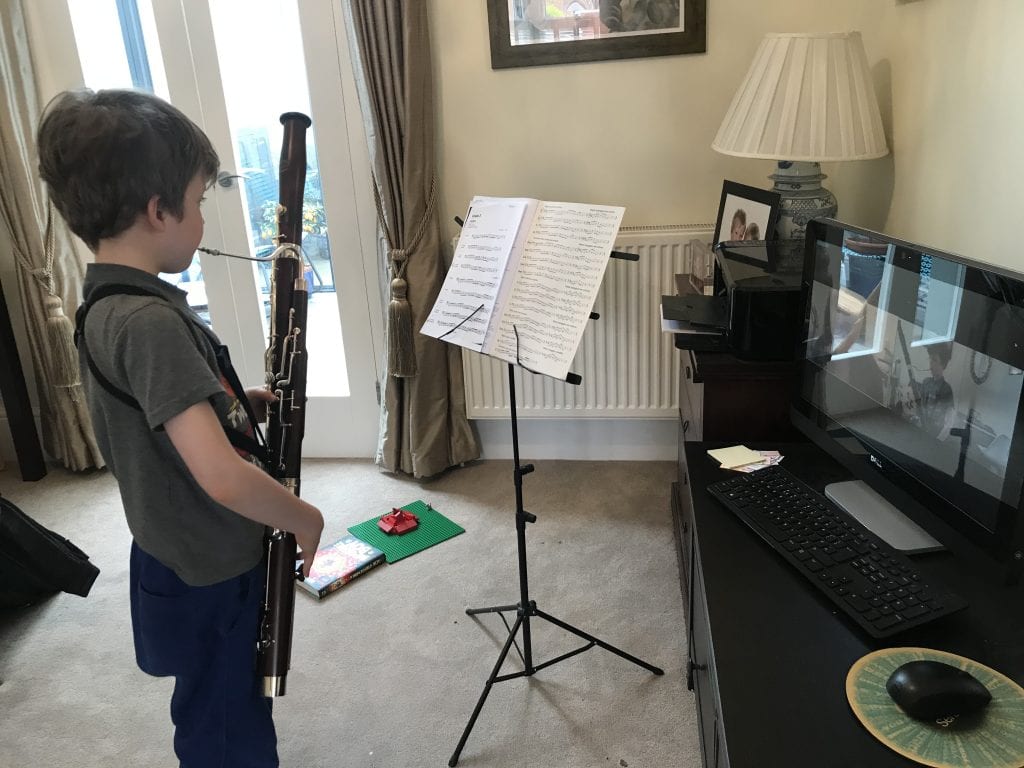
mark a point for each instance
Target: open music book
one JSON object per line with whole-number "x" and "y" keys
{"x": 523, "y": 280}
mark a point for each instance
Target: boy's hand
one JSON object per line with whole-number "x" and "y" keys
{"x": 309, "y": 539}
{"x": 258, "y": 399}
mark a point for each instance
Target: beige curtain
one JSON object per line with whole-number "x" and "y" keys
{"x": 49, "y": 271}
{"x": 424, "y": 429}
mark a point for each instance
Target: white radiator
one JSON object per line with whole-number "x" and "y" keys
{"x": 630, "y": 368}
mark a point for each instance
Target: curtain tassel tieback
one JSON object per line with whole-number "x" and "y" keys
{"x": 401, "y": 338}
{"x": 401, "y": 349}
{"x": 60, "y": 339}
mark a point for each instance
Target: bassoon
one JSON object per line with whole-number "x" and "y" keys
{"x": 286, "y": 377}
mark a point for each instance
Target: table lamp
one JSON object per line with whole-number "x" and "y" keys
{"x": 807, "y": 99}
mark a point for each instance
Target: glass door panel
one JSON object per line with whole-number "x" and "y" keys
{"x": 255, "y": 98}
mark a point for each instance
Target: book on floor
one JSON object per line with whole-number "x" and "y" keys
{"x": 523, "y": 280}
{"x": 337, "y": 564}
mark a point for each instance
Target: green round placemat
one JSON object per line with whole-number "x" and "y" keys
{"x": 993, "y": 738}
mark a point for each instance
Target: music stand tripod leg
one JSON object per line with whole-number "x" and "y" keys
{"x": 487, "y": 686}
{"x": 599, "y": 643}
{"x": 492, "y": 609}
{"x": 527, "y": 607}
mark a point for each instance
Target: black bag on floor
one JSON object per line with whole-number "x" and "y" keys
{"x": 36, "y": 562}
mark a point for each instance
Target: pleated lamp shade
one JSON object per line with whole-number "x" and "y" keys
{"x": 806, "y": 97}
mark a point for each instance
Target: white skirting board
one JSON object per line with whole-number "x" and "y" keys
{"x": 583, "y": 439}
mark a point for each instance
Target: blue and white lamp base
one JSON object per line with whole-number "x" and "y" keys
{"x": 803, "y": 197}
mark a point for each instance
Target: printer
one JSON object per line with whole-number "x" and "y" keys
{"x": 755, "y": 311}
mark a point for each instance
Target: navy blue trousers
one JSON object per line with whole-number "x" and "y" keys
{"x": 205, "y": 637}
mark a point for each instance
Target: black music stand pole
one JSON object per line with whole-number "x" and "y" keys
{"x": 526, "y": 608}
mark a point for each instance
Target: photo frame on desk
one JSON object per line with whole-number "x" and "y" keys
{"x": 528, "y": 33}
{"x": 746, "y": 213}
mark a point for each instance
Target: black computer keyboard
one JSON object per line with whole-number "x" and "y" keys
{"x": 875, "y": 585}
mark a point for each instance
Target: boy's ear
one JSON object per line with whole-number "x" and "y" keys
{"x": 155, "y": 214}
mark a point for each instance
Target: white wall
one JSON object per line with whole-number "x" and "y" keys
{"x": 958, "y": 96}
{"x": 638, "y": 132}
{"x": 633, "y": 132}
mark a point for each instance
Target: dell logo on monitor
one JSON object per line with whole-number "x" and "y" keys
{"x": 876, "y": 461}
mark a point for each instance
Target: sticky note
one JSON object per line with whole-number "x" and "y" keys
{"x": 736, "y": 456}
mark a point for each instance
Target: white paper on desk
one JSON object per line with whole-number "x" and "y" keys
{"x": 768, "y": 459}
{"x": 736, "y": 456}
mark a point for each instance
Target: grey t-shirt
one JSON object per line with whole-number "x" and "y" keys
{"x": 148, "y": 350}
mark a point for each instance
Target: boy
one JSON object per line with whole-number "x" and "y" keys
{"x": 935, "y": 393}
{"x": 128, "y": 171}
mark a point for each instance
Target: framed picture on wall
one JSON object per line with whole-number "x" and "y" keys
{"x": 746, "y": 213}
{"x": 527, "y": 33}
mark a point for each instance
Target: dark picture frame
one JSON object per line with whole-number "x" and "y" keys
{"x": 580, "y": 47}
{"x": 760, "y": 208}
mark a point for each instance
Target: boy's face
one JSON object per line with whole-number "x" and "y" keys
{"x": 185, "y": 235}
{"x": 737, "y": 230}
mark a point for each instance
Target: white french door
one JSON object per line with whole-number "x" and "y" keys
{"x": 234, "y": 66}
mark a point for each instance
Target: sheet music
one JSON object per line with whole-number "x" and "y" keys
{"x": 511, "y": 265}
{"x": 555, "y": 284}
{"x": 474, "y": 281}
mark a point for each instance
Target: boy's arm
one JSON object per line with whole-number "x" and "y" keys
{"x": 259, "y": 398}
{"x": 233, "y": 482}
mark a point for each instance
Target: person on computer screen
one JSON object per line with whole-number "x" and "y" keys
{"x": 935, "y": 394}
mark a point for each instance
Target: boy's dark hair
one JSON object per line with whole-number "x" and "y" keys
{"x": 105, "y": 154}
{"x": 941, "y": 351}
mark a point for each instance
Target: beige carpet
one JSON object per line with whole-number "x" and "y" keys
{"x": 386, "y": 671}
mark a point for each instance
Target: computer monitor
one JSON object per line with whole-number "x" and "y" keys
{"x": 911, "y": 373}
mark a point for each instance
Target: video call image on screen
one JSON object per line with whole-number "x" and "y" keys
{"x": 914, "y": 365}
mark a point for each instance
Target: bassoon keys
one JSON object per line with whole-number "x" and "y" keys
{"x": 286, "y": 377}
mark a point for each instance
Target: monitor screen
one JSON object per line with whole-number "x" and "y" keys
{"x": 911, "y": 370}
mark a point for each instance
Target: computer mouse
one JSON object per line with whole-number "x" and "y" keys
{"x": 929, "y": 690}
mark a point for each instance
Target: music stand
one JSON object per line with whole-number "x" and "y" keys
{"x": 526, "y": 608}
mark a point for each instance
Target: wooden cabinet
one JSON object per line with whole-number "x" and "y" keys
{"x": 724, "y": 398}
{"x": 720, "y": 398}
{"x": 691, "y": 398}
{"x": 682, "y": 525}
{"x": 702, "y": 674}
{"x": 769, "y": 654}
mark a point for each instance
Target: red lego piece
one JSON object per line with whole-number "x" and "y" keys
{"x": 398, "y": 521}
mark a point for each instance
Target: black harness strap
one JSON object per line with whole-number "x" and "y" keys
{"x": 255, "y": 446}
{"x": 101, "y": 293}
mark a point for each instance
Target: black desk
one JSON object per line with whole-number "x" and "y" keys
{"x": 771, "y": 656}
